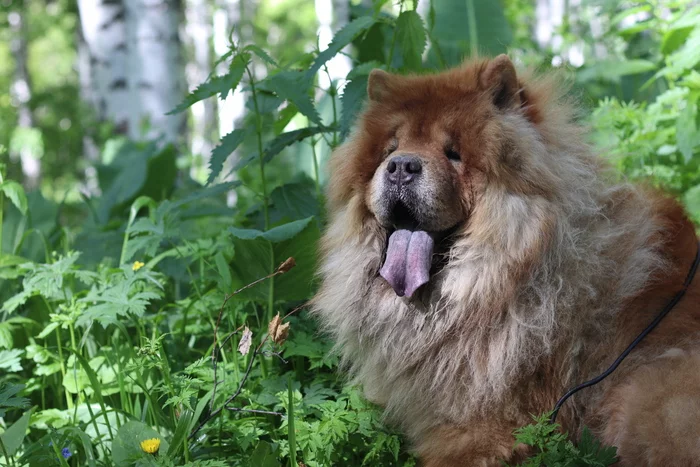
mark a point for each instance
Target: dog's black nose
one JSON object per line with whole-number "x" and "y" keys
{"x": 402, "y": 170}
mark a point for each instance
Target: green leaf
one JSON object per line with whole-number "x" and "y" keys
{"x": 9, "y": 399}
{"x": 275, "y": 235}
{"x": 224, "y": 271}
{"x": 613, "y": 70}
{"x": 294, "y": 201}
{"x": 228, "y": 144}
{"x": 687, "y": 131}
{"x": 48, "y": 330}
{"x": 294, "y": 87}
{"x": 13, "y": 437}
{"x": 181, "y": 432}
{"x": 363, "y": 69}
{"x": 679, "y": 30}
{"x": 352, "y": 101}
{"x": 86, "y": 442}
{"x": 10, "y": 360}
{"x": 452, "y": 28}
{"x": 592, "y": 448}
{"x": 137, "y": 170}
{"x": 15, "y": 193}
{"x": 282, "y": 141}
{"x": 341, "y": 39}
{"x": 125, "y": 297}
{"x": 261, "y": 54}
{"x": 258, "y": 253}
{"x": 264, "y": 456}
{"x": 410, "y": 35}
{"x": 687, "y": 56}
{"x": 674, "y": 38}
{"x": 9, "y": 266}
{"x": 217, "y": 84}
{"x": 692, "y": 201}
{"x": 203, "y": 193}
{"x": 126, "y": 447}
{"x": 8, "y": 326}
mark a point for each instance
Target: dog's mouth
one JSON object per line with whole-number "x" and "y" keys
{"x": 409, "y": 252}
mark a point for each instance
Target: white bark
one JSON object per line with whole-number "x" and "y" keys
{"x": 87, "y": 94}
{"x": 24, "y": 138}
{"x": 136, "y": 71}
{"x": 157, "y": 64}
{"x": 103, "y": 24}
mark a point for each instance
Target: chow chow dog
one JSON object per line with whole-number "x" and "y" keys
{"x": 480, "y": 260}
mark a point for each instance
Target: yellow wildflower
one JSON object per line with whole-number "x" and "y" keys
{"x": 150, "y": 446}
{"x": 137, "y": 265}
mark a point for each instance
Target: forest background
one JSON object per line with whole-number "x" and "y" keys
{"x": 158, "y": 156}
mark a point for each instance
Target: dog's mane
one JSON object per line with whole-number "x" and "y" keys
{"x": 528, "y": 277}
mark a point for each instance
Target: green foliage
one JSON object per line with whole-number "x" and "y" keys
{"x": 123, "y": 313}
{"x": 126, "y": 447}
{"x": 217, "y": 85}
{"x": 134, "y": 300}
{"x": 554, "y": 449}
{"x": 9, "y": 398}
{"x": 15, "y": 193}
{"x": 411, "y": 36}
{"x": 660, "y": 138}
{"x": 463, "y": 27}
{"x": 228, "y": 144}
{"x": 341, "y": 39}
{"x": 11, "y": 440}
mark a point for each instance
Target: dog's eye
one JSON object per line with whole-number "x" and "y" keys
{"x": 452, "y": 154}
{"x": 393, "y": 145}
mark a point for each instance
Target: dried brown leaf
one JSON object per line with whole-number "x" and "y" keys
{"x": 288, "y": 264}
{"x": 246, "y": 341}
{"x": 277, "y": 330}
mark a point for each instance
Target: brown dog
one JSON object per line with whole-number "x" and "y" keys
{"x": 480, "y": 261}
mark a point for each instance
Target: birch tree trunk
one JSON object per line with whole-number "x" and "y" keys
{"x": 103, "y": 25}
{"x": 26, "y": 141}
{"x": 157, "y": 65}
{"x": 135, "y": 67}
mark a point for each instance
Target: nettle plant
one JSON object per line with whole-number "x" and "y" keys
{"x": 659, "y": 139}
{"x": 156, "y": 325}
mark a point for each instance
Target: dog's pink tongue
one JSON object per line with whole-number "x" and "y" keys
{"x": 408, "y": 258}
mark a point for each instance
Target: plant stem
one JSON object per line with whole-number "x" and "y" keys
{"x": 266, "y": 212}
{"x": 316, "y": 172}
{"x": 258, "y": 132}
{"x": 2, "y": 207}
{"x": 69, "y": 400}
{"x": 471, "y": 20}
{"x": 72, "y": 338}
{"x": 333, "y": 92}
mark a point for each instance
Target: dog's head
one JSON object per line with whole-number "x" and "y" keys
{"x": 437, "y": 154}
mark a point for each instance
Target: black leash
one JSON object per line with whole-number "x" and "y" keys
{"x": 674, "y": 301}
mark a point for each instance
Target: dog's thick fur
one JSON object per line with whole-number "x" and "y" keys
{"x": 552, "y": 269}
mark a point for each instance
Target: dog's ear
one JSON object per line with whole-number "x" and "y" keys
{"x": 500, "y": 79}
{"x": 378, "y": 85}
